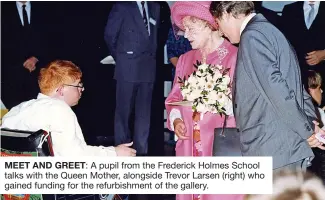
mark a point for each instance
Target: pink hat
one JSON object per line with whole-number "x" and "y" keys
{"x": 198, "y": 9}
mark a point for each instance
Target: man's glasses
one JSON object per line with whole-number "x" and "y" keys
{"x": 80, "y": 85}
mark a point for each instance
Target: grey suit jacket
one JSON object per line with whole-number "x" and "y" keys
{"x": 273, "y": 111}
{"x": 129, "y": 42}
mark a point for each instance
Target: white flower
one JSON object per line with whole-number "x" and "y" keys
{"x": 202, "y": 108}
{"x": 222, "y": 98}
{"x": 201, "y": 83}
{"x": 229, "y": 108}
{"x": 223, "y": 87}
{"x": 213, "y": 97}
{"x": 217, "y": 75}
{"x": 209, "y": 86}
{"x": 228, "y": 91}
{"x": 198, "y": 73}
{"x": 192, "y": 80}
{"x": 203, "y": 67}
{"x": 186, "y": 92}
{"x": 210, "y": 82}
{"x": 213, "y": 109}
{"x": 218, "y": 67}
{"x": 195, "y": 94}
{"x": 226, "y": 80}
{"x": 189, "y": 98}
{"x": 209, "y": 78}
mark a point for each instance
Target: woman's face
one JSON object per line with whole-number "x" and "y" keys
{"x": 196, "y": 31}
{"x": 316, "y": 94}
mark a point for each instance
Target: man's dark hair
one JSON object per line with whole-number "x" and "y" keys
{"x": 217, "y": 8}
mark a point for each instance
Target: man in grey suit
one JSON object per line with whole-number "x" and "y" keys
{"x": 131, "y": 36}
{"x": 274, "y": 114}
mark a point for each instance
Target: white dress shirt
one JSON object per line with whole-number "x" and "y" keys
{"x": 20, "y": 10}
{"x": 140, "y": 9}
{"x": 307, "y": 9}
{"x": 245, "y": 22}
{"x": 56, "y": 117}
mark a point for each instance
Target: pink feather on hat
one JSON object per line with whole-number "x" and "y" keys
{"x": 198, "y": 9}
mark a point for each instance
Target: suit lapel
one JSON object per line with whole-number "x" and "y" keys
{"x": 16, "y": 15}
{"x": 152, "y": 13}
{"x": 301, "y": 15}
{"x": 138, "y": 18}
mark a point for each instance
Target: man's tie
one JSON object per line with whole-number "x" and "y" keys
{"x": 25, "y": 17}
{"x": 311, "y": 15}
{"x": 144, "y": 15}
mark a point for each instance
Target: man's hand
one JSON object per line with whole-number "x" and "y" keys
{"x": 125, "y": 150}
{"x": 315, "y": 57}
{"x": 30, "y": 63}
{"x": 313, "y": 141}
{"x": 180, "y": 129}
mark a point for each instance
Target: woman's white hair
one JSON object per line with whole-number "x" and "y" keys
{"x": 289, "y": 185}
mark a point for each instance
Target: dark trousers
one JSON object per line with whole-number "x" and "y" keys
{"x": 133, "y": 96}
{"x": 318, "y": 164}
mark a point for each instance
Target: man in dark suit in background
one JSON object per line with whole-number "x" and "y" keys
{"x": 131, "y": 36}
{"x": 24, "y": 46}
{"x": 303, "y": 24}
{"x": 156, "y": 141}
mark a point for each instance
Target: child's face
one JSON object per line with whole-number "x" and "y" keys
{"x": 316, "y": 94}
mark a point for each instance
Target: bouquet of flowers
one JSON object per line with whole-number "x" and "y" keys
{"x": 208, "y": 88}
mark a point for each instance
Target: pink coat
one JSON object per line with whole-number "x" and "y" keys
{"x": 226, "y": 56}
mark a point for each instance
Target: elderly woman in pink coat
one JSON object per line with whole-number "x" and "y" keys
{"x": 195, "y": 131}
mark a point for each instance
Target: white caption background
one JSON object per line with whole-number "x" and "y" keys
{"x": 136, "y": 175}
